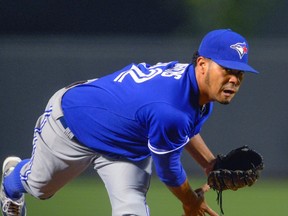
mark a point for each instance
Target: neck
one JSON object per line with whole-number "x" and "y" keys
{"x": 203, "y": 101}
{"x": 203, "y": 96}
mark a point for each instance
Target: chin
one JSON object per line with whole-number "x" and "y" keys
{"x": 224, "y": 102}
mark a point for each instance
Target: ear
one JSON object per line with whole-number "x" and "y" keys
{"x": 201, "y": 64}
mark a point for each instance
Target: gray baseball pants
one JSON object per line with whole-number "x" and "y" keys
{"x": 57, "y": 158}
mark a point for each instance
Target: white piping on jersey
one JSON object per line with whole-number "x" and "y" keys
{"x": 163, "y": 151}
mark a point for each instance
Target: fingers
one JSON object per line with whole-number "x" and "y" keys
{"x": 203, "y": 209}
{"x": 205, "y": 187}
{"x": 207, "y": 209}
{"x": 202, "y": 190}
{"x": 211, "y": 212}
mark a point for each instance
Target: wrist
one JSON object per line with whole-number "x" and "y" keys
{"x": 210, "y": 166}
{"x": 185, "y": 194}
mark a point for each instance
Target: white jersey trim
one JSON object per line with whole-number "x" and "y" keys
{"x": 163, "y": 151}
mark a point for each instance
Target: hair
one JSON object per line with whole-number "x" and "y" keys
{"x": 195, "y": 57}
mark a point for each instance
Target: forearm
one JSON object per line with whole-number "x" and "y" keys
{"x": 201, "y": 153}
{"x": 185, "y": 194}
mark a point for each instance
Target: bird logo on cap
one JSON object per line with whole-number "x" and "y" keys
{"x": 241, "y": 48}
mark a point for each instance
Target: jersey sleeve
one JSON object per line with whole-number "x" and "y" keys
{"x": 169, "y": 168}
{"x": 168, "y": 128}
{"x": 168, "y": 132}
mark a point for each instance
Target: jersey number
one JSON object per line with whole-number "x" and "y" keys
{"x": 139, "y": 77}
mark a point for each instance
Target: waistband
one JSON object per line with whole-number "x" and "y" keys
{"x": 67, "y": 130}
{"x": 57, "y": 112}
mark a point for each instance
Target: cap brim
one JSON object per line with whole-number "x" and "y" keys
{"x": 236, "y": 65}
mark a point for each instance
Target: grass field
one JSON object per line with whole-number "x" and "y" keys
{"x": 87, "y": 197}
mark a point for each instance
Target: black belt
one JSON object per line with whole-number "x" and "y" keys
{"x": 65, "y": 126}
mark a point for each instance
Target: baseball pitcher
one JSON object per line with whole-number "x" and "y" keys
{"x": 123, "y": 122}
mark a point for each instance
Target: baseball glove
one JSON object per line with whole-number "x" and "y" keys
{"x": 239, "y": 168}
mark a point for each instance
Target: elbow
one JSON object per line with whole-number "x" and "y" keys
{"x": 172, "y": 178}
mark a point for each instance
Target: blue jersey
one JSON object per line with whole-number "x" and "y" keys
{"x": 137, "y": 111}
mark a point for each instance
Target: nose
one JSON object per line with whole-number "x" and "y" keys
{"x": 235, "y": 80}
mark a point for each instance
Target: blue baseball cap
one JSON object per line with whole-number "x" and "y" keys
{"x": 227, "y": 48}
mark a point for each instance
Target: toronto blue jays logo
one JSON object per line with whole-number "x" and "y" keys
{"x": 241, "y": 48}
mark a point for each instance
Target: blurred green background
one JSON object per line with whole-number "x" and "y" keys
{"x": 45, "y": 45}
{"x": 86, "y": 196}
